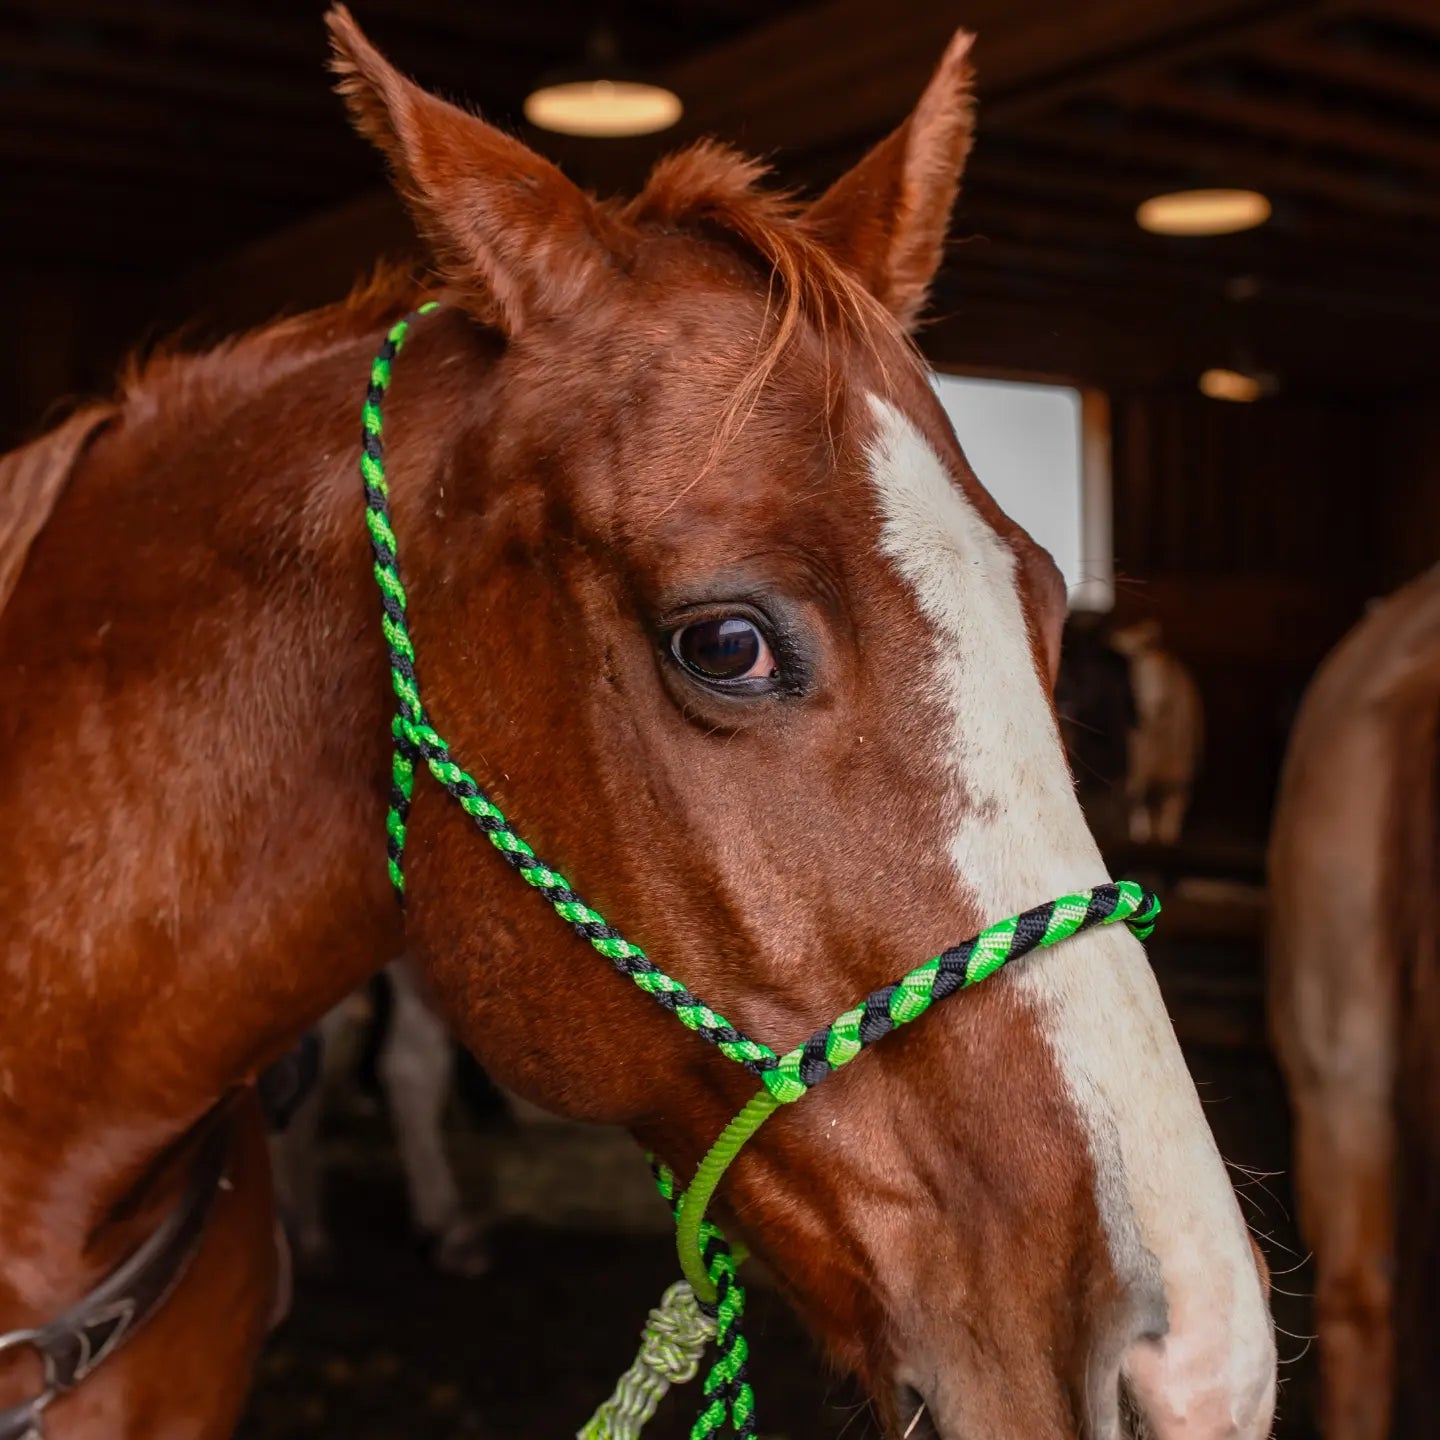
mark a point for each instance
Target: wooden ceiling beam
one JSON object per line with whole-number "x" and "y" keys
{"x": 270, "y": 176}
{"x": 1271, "y": 256}
{"x": 1294, "y": 121}
{"x": 251, "y": 92}
{"x": 1103, "y": 334}
{"x": 1009, "y": 161}
{"x": 1065, "y": 192}
{"x": 218, "y": 138}
{"x": 291, "y": 80}
{"x": 849, "y": 68}
{"x": 1382, "y": 76}
{"x": 1241, "y": 161}
{"x": 170, "y": 31}
{"x": 1284, "y": 18}
{"x": 493, "y": 24}
{"x": 1419, "y": 13}
{"x": 163, "y": 23}
{"x": 1023, "y": 248}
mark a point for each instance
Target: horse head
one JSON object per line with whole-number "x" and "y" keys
{"x": 704, "y": 588}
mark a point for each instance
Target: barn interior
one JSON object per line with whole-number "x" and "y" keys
{"x": 174, "y": 166}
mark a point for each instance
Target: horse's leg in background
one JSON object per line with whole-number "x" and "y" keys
{"x": 1346, "y": 1162}
{"x": 416, "y": 1067}
{"x": 1335, "y": 1017}
{"x": 1137, "y": 789}
{"x": 295, "y": 1153}
{"x": 1170, "y": 807}
{"x": 1179, "y": 738}
{"x": 1335, "y": 1023}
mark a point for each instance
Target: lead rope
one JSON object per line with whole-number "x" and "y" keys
{"x": 678, "y": 1330}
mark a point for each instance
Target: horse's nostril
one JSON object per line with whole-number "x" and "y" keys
{"x": 1198, "y": 1385}
{"x": 1132, "y": 1421}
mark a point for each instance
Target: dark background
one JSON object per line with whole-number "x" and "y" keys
{"x": 172, "y": 162}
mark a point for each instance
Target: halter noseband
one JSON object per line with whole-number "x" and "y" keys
{"x": 711, "y": 1302}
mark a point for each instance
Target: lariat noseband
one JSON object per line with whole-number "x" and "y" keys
{"x": 710, "y": 1303}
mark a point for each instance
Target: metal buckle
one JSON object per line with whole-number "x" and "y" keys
{"x": 15, "y": 1339}
{"x": 30, "y": 1411}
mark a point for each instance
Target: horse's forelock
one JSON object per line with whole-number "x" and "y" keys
{"x": 716, "y": 193}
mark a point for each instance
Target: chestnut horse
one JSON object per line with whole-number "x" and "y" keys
{"x": 703, "y": 586}
{"x": 1355, "y": 1010}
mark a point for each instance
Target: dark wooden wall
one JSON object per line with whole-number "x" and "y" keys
{"x": 66, "y": 328}
{"x": 1406, "y": 466}
{"x": 1256, "y": 534}
{"x": 1250, "y": 533}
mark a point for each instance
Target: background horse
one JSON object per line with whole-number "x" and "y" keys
{"x": 415, "y": 1069}
{"x": 702, "y": 580}
{"x": 1163, "y": 746}
{"x": 1355, "y": 1006}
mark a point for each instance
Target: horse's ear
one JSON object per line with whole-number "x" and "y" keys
{"x": 506, "y": 227}
{"x": 888, "y": 217}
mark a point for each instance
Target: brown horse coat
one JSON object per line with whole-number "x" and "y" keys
{"x": 629, "y": 420}
{"x": 1355, "y": 1009}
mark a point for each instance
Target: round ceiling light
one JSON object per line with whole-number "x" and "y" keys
{"x": 606, "y": 108}
{"x": 1234, "y": 385}
{"x": 1203, "y": 212}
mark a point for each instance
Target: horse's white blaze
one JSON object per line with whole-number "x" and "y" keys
{"x": 1020, "y": 839}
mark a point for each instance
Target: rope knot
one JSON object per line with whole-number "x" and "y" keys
{"x": 676, "y": 1335}
{"x": 671, "y": 1348}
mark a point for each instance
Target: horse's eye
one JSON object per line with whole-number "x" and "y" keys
{"x": 724, "y": 651}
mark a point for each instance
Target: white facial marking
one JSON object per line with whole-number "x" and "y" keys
{"x": 1020, "y": 839}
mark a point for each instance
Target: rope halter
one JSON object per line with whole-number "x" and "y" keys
{"x": 710, "y": 1303}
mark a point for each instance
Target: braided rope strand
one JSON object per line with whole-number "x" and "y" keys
{"x": 417, "y": 739}
{"x": 710, "y": 1303}
{"x": 957, "y": 968}
{"x": 727, "y": 1392}
{"x": 671, "y": 1345}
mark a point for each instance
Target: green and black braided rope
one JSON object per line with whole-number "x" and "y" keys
{"x": 784, "y": 1078}
{"x": 790, "y": 1076}
{"x": 727, "y": 1391}
{"x": 957, "y": 968}
{"x": 417, "y": 739}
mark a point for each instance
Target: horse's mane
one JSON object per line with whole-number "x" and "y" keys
{"x": 170, "y": 372}
{"x": 34, "y": 476}
{"x": 707, "y": 190}
{"x": 714, "y": 192}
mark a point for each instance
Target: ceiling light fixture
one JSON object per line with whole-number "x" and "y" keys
{"x": 606, "y": 108}
{"x": 1203, "y": 212}
{"x": 1233, "y": 385}
{"x": 1222, "y": 384}
{"x": 602, "y": 98}
{"x": 1242, "y": 381}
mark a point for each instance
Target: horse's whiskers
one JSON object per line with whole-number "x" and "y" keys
{"x": 914, "y": 1421}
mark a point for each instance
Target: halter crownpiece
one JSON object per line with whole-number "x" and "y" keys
{"x": 710, "y": 1303}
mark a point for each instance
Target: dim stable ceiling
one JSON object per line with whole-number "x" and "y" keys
{"x": 145, "y": 136}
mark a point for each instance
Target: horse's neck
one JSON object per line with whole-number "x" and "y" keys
{"x": 193, "y": 760}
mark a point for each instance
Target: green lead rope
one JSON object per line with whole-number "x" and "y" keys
{"x": 710, "y": 1303}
